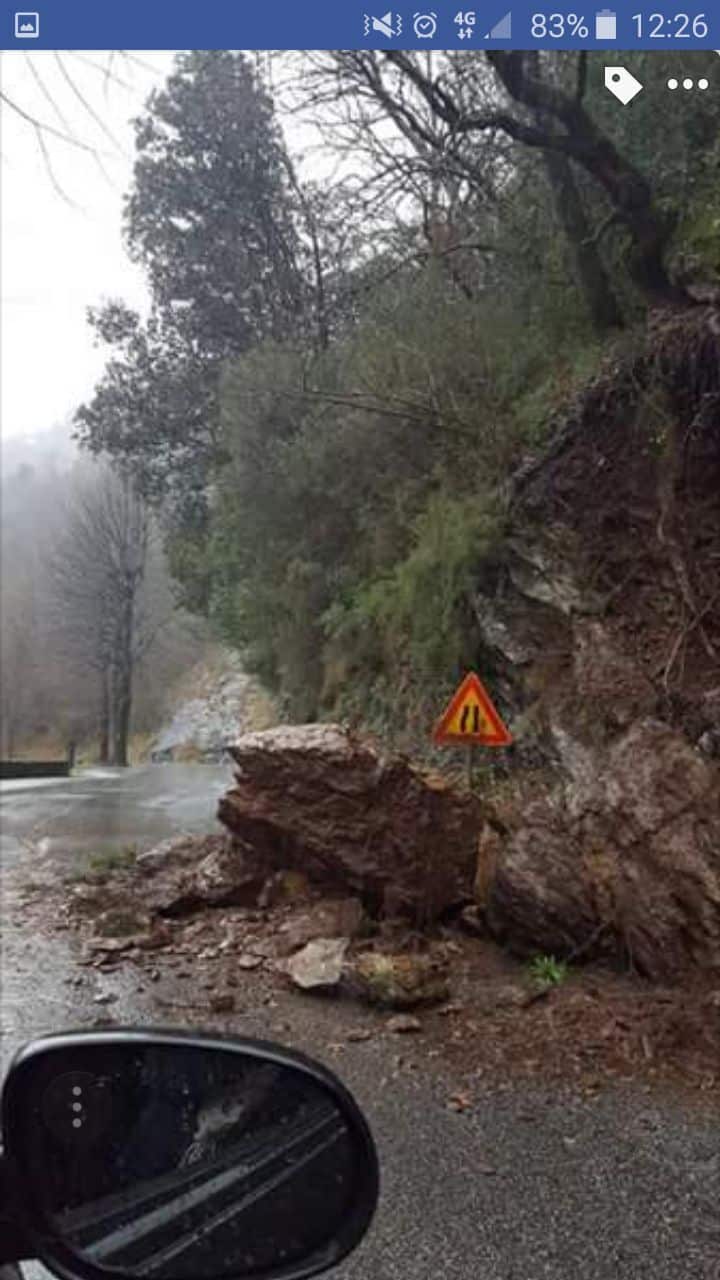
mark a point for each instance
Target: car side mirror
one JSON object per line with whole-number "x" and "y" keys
{"x": 168, "y": 1154}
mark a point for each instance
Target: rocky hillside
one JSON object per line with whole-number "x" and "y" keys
{"x": 214, "y": 704}
{"x": 600, "y": 628}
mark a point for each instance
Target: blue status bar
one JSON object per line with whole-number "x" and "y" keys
{"x": 345, "y": 24}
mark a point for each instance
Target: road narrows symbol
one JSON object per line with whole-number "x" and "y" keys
{"x": 470, "y": 717}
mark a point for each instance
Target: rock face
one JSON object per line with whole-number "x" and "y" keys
{"x": 616, "y": 849}
{"x": 316, "y": 798}
{"x": 599, "y": 630}
{"x": 625, "y": 855}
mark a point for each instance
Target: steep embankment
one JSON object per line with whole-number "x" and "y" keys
{"x": 601, "y": 626}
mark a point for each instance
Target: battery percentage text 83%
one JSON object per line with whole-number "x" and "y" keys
{"x": 558, "y": 25}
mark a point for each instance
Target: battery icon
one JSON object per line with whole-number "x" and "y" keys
{"x": 605, "y": 25}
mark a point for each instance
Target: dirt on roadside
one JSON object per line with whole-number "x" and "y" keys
{"x": 497, "y": 1028}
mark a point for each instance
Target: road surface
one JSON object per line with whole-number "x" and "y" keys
{"x": 528, "y": 1184}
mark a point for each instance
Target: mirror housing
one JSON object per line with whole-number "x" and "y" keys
{"x": 169, "y": 1154}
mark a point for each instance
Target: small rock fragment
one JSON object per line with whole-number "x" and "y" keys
{"x": 108, "y": 945}
{"x": 159, "y": 936}
{"x": 403, "y": 1023}
{"x": 359, "y": 1033}
{"x": 248, "y": 961}
{"x": 459, "y": 1102}
{"x": 319, "y": 964}
{"x": 223, "y": 1002}
{"x": 471, "y": 921}
{"x": 399, "y": 980}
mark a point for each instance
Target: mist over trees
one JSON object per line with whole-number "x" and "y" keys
{"x": 89, "y": 623}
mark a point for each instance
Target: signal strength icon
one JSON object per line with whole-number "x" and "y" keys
{"x": 502, "y": 29}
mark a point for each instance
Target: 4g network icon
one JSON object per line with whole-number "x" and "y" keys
{"x": 465, "y": 22}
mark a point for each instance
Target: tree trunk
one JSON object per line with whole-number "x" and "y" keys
{"x": 649, "y": 228}
{"x": 123, "y": 672}
{"x": 121, "y": 727}
{"x": 104, "y": 726}
{"x": 583, "y": 141}
{"x": 599, "y": 294}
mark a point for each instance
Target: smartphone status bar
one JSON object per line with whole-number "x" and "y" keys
{"x": 319, "y": 24}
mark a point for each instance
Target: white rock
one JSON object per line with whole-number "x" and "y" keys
{"x": 319, "y": 964}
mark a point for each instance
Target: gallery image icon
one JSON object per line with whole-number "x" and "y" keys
{"x": 622, "y": 84}
{"x": 27, "y": 26}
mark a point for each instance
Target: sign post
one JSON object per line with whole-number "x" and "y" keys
{"x": 470, "y": 719}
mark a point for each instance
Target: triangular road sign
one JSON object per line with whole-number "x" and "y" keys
{"x": 470, "y": 717}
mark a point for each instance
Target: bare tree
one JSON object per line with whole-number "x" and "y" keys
{"x": 453, "y": 125}
{"x": 552, "y": 118}
{"x": 62, "y": 100}
{"x": 97, "y": 575}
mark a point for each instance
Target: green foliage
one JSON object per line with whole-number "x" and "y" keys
{"x": 211, "y": 219}
{"x": 209, "y": 214}
{"x": 547, "y": 971}
{"x": 113, "y": 859}
{"x": 415, "y": 609}
{"x": 675, "y": 143}
{"x": 99, "y": 867}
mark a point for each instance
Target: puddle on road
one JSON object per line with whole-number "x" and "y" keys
{"x": 52, "y": 830}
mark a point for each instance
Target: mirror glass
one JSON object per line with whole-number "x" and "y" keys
{"x": 184, "y": 1161}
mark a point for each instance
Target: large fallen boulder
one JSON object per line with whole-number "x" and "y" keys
{"x": 625, "y": 856}
{"x": 317, "y": 798}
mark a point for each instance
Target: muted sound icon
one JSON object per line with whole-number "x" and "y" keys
{"x": 384, "y": 25}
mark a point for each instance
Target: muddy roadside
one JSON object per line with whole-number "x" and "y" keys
{"x": 494, "y": 1026}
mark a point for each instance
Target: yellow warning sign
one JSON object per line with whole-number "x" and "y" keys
{"x": 470, "y": 717}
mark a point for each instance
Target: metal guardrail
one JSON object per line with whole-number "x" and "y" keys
{"x": 34, "y": 768}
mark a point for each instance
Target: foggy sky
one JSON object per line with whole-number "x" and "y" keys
{"x": 58, "y": 258}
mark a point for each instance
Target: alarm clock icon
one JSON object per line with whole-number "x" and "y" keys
{"x": 425, "y": 25}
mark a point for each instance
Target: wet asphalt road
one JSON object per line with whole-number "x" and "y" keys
{"x": 526, "y": 1185}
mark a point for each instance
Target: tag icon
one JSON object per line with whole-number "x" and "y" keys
{"x": 622, "y": 84}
